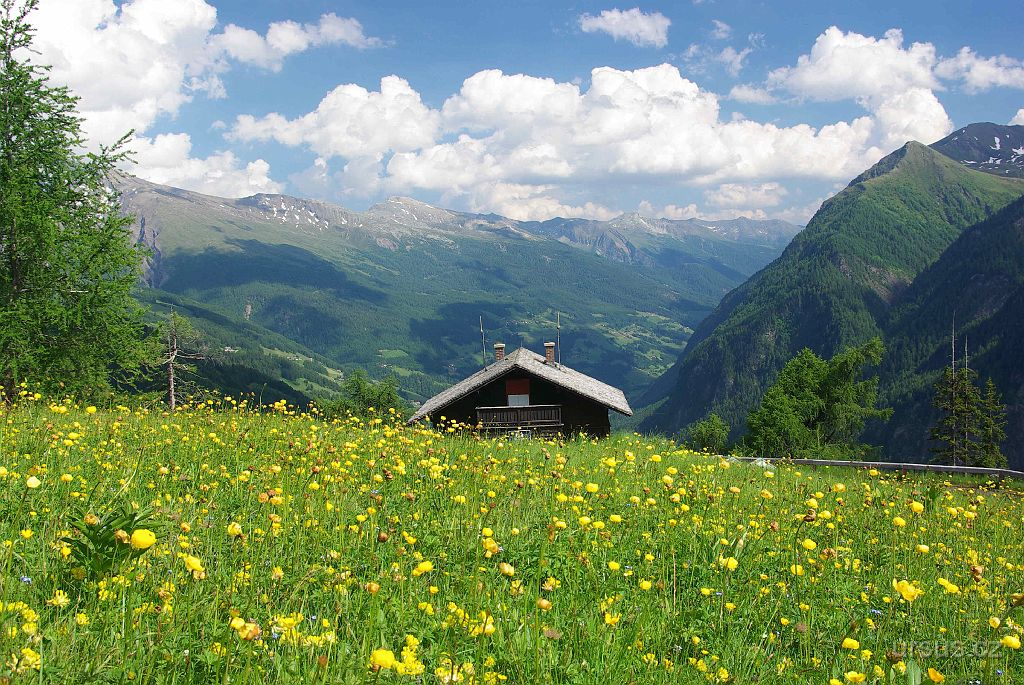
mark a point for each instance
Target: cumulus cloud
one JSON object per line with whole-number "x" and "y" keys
{"x": 632, "y": 25}
{"x": 526, "y": 202}
{"x": 530, "y": 147}
{"x": 351, "y": 122}
{"x": 982, "y": 73}
{"x": 914, "y": 114}
{"x": 732, "y": 59}
{"x": 849, "y": 65}
{"x": 284, "y": 38}
{"x": 134, "y": 63}
{"x": 138, "y": 62}
{"x": 670, "y": 211}
{"x": 1018, "y": 119}
{"x": 895, "y": 83}
{"x": 130, "y": 65}
{"x": 534, "y": 148}
{"x": 739, "y": 195}
{"x": 752, "y": 94}
{"x": 167, "y": 159}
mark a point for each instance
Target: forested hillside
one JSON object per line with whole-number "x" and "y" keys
{"x": 833, "y": 286}
{"x": 978, "y": 286}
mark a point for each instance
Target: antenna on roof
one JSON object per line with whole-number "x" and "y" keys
{"x": 483, "y": 344}
{"x": 558, "y": 336}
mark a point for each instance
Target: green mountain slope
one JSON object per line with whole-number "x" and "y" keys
{"x": 243, "y": 357}
{"x": 980, "y": 280}
{"x": 400, "y": 288}
{"x": 833, "y": 286}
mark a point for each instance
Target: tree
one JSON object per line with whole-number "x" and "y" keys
{"x": 67, "y": 265}
{"x": 992, "y": 428}
{"x": 958, "y": 400}
{"x": 362, "y": 396}
{"x": 181, "y": 346}
{"x": 711, "y": 434}
{"x": 817, "y": 405}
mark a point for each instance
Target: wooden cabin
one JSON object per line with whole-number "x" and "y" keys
{"x": 528, "y": 393}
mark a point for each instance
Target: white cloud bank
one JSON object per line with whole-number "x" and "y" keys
{"x": 138, "y": 63}
{"x": 1018, "y": 119}
{"x": 533, "y": 148}
{"x": 518, "y": 144}
{"x": 639, "y": 28}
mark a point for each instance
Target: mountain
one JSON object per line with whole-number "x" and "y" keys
{"x": 987, "y": 147}
{"x": 242, "y": 356}
{"x": 636, "y": 239}
{"x": 980, "y": 280}
{"x": 400, "y": 287}
{"x": 835, "y": 285}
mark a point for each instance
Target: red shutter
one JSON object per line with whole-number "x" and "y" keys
{"x": 518, "y": 386}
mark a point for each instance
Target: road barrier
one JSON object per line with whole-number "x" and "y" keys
{"x": 994, "y": 474}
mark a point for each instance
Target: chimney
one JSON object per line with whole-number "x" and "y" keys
{"x": 499, "y": 351}
{"x": 549, "y": 353}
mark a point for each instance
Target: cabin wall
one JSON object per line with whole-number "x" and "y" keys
{"x": 578, "y": 413}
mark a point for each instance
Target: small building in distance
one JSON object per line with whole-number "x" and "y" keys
{"x": 528, "y": 393}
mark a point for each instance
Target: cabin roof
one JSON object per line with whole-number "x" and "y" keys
{"x": 534, "y": 364}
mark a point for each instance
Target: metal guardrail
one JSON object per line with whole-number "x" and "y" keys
{"x": 995, "y": 474}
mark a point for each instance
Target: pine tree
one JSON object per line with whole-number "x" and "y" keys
{"x": 992, "y": 428}
{"x": 181, "y": 347}
{"x": 958, "y": 400}
{"x": 67, "y": 266}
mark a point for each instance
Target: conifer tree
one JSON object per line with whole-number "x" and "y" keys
{"x": 992, "y": 428}
{"x": 957, "y": 399}
{"x": 67, "y": 266}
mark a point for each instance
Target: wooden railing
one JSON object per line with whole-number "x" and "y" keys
{"x": 533, "y": 417}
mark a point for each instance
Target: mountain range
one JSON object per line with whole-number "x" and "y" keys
{"x": 926, "y": 236}
{"x": 401, "y": 287}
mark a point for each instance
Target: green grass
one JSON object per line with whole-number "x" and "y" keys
{"x": 660, "y": 565}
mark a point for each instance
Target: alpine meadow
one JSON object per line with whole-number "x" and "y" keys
{"x": 522, "y": 344}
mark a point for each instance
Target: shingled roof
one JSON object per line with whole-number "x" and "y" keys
{"x": 533, "y": 363}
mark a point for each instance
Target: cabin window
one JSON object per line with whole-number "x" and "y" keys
{"x": 517, "y": 391}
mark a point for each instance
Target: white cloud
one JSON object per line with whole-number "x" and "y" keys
{"x": 128, "y": 65}
{"x": 842, "y": 66}
{"x": 284, "y": 38}
{"x": 167, "y": 159}
{"x": 533, "y": 147}
{"x": 699, "y": 57}
{"x": 675, "y": 212}
{"x": 733, "y": 59}
{"x": 747, "y": 196}
{"x": 526, "y": 202}
{"x": 752, "y": 94}
{"x": 141, "y": 60}
{"x": 1018, "y": 119}
{"x": 894, "y": 83}
{"x": 914, "y": 114}
{"x": 720, "y": 30}
{"x": 982, "y": 73}
{"x": 632, "y": 25}
{"x": 351, "y": 122}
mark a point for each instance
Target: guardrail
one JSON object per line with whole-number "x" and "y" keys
{"x": 995, "y": 474}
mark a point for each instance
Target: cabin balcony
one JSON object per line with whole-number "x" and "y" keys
{"x": 539, "y": 418}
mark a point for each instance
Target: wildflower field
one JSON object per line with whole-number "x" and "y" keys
{"x": 222, "y": 545}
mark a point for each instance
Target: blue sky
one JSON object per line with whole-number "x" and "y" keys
{"x": 533, "y": 109}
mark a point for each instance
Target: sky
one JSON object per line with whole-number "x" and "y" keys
{"x": 532, "y": 109}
